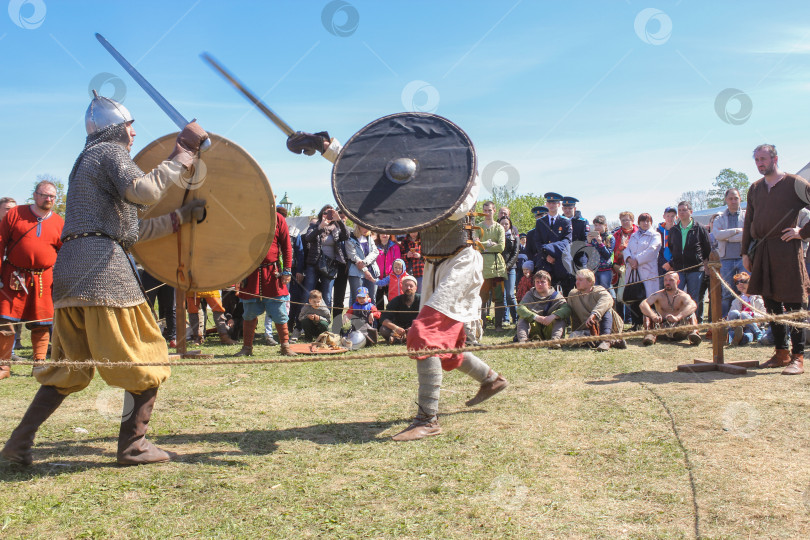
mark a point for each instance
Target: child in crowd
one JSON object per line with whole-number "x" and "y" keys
{"x": 362, "y": 315}
{"x": 314, "y": 316}
{"x": 750, "y": 332}
{"x": 392, "y": 280}
{"x": 526, "y": 281}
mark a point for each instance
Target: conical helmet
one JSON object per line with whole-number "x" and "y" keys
{"x": 104, "y": 112}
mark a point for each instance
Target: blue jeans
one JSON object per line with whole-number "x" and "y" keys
{"x": 604, "y": 278}
{"x": 509, "y": 296}
{"x": 606, "y": 323}
{"x": 751, "y": 331}
{"x": 355, "y": 282}
{"x": 312, "y": 279}
{"x": 728, "y": 269}
{"x": 690, "y": 282}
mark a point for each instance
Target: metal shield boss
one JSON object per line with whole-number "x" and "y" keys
{"x": 583, "y": 256}
{"x": 404, "y": 172}
{"x": 239, "y": 224}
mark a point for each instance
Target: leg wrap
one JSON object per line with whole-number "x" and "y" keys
{"x": 477, "y": 368}
{"x": 429, "y": 372}
{"x": 283, "y": 333}
{"x": 221, "y": 322}
{"x": 248, "y": 331}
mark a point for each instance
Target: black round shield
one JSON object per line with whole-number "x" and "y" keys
{"x": 404, "y": 172}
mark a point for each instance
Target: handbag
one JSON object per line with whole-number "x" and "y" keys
{"x": 634, "y": 290}
{"x": 327, "y": 268}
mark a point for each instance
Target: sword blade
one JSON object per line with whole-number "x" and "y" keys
{"x": 250, "y": 96}
{"x": 175, "y": 116}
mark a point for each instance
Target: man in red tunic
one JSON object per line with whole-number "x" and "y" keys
{"x": 29, "y": 239}
{"x": 265, "y": 291}
{"x": 772, "y": 252}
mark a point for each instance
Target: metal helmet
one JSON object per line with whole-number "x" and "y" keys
{"x": 104, "y": 112}
{"x": 354, "y": 340}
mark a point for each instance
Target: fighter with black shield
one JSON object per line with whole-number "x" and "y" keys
{"x": 100, "y": 309}
{"x": 411, "y": 159}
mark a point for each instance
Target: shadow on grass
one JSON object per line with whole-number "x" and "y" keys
{"x": 667, "y": 377}
{"x": 56, "y": 458}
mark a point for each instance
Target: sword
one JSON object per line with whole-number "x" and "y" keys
{"x": 250, "y": 96}
{"x": 175, "y": 116}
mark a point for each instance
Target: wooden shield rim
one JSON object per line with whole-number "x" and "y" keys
{"x": 171, "y": 280}
{"x": 438, "y": 219}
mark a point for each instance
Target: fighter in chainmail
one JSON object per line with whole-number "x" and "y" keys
{"x": 100, "y": 310}
{"x": 450, "y": 298}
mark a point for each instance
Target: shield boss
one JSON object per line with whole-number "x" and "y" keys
{"x": 404, "y": 172}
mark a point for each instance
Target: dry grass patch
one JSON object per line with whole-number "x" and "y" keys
{"x": 580, "y": 445}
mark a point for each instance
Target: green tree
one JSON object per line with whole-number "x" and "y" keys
{"x": 296, "y": 211}
{"x": 699, "y": 199}
{"x": 59, "y": 203}
{"x": 728, "y": 179}
{"x": 520, "y": 206}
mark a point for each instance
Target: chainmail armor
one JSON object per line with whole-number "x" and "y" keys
{"x": 94, "y": 270}
{"x": 444, "y": 240}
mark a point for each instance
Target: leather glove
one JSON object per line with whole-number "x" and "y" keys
{"x": 194, "y": 209}
{"x": 188, "y": 144}
{"x": 302, "y": 142}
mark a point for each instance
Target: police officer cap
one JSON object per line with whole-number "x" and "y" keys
{"x": 553, "y": 197}
{"x": 570, "y": 201}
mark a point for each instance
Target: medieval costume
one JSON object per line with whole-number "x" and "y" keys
{"x": 100, "y": 309}
{"x": 265, "y": 291}
{"x": 28, "y": 244}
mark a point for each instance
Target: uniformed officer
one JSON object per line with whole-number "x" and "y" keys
{"x": 579, "y": 225}
{"x": 530, "y": 249}
{"x": 579, "y": 232}
{"x": 552, "y": 242}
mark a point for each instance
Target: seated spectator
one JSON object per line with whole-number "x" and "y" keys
{"x": 411, "y": 250}
{"x": 526, "y": 281}
{"x": 402, "y": 310}
{"x": 668, "y": 308}
{"x": 393, "y": 281}
{"x": 363, "y": 314}
{"x": 538, "y": 312}
{"x": 590, "y": 307}
{"x": 315, "y": 316}
{"x": 750, "y": 332}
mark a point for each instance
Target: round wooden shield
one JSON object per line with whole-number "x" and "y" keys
{"x": 239, "y": 224}
{"x": 404, "y": 172}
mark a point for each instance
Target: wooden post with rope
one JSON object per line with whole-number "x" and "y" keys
{"x": 719, "y": 335}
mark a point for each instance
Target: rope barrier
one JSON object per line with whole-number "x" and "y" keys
{"x": 755, "y": 310}
{"x": 426, "y": 352}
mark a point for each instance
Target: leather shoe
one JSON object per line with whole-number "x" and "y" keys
{"x": 421, "y": 427}
{"x": 488, "y": 389}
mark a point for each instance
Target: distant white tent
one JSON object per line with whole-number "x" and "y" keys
{"x": 704, "y": 216}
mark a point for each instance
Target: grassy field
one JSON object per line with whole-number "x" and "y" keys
{"x": 582, "y": 445}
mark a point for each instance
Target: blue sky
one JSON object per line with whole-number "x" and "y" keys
{"x": 621, "y": 103}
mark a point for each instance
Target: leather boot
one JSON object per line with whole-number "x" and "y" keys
{"x": 284, "y": 338}
{"x": 5, "y": 372}
{"x": 248, "y": 332}
{"x": 780, "y": 358}
{"x": 796, "y": 365}
{"x": 488, "y": 388}
{"x": 133, "y": 448}
{"x": 222, "y": 328}
{"x": 18, "y": 447}
{"x": 194, "y": 324}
